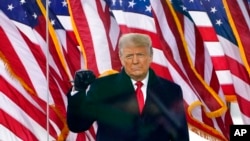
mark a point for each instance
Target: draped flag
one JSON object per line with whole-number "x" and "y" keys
{"x": 214, "y": 15}
{"x": 238, "y": 14}
{"x": 25, "y": 49}
{"x": 201, "y": 45}
{"x": 220, "y": 41}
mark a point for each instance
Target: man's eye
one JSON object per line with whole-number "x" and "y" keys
{"x": 129, "y": 56}
{"x": 140, "y": 54}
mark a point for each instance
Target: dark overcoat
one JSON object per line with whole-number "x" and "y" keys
{"x": 111, "y": 102}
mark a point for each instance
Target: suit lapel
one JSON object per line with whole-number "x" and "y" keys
{"x": 150, "y": 107}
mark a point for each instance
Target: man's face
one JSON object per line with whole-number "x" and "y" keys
{"x": 136, "y": 61}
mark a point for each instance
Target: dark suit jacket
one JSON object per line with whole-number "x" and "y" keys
{"x": 111, "y": 101}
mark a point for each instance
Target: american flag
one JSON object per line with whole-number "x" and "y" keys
{"x": 187, "y": 44}
{"x": 212, "y": 14}
{"x": 231, "y": 47}
{"x": 24, "y": 78}
{"x": 239, "y": 19}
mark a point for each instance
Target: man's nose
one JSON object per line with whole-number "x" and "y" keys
{"x": 135, "y": 59}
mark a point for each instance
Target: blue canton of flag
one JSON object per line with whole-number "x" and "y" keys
{"x": 21, "y": 11}
{"x": 134, "y": 6}
{"x": 249, "y": 3}
{"x": 56, "y": 8}
{"x": 217, "y": 15}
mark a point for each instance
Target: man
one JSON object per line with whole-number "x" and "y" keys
{"x": 111, "y": 100}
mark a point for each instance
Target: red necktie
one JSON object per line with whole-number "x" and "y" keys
{"x": 139, "y": 95}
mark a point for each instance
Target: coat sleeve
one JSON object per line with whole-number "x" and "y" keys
{"x": 80, "y": 112}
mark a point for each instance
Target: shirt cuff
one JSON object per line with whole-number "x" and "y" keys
{"x": 73, "y": 91}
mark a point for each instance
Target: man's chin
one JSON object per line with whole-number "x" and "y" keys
{"x": 137, "y": 76}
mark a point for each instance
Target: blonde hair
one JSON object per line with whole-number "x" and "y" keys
{"x": 135, "y": 39}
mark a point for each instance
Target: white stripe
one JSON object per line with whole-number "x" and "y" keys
{"x": 214, "y": 48}
{"x": 114, "y": 33}
{"x": 159, "y": 57}
{"x": 208, "y": 67}
{"x": 236, "y": 113}
{"x": 189, "y": 33}
{"x": 168, "y": 34}
{"x": 224, "y": 76}
{"x": 65, "y": 21}
{"x": 134, "y": 20}
{"x": 230, "y": 49}
{"x": 246, "y": 119}
{"x": 98, "y": 35}
{"x": 242, "y": 88}
{"x": 200, "y": 18}
{"x": 61, "y": 34}
{"x": 7, "y": 135}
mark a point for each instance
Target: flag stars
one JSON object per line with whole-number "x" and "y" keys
{"x": 22, "y": 2}
{"x": 148, "y": 8}
{"x": 64, "y": 3}
{"x": 131, "y": 4}
{"x": 52, "y": 22}
{"x": 184, "y": 8}
{"x": 113, "y": 2}
{"x": 218, "y": 22}
{"x": 213, "y": 10}
{"x": 10, "y": 7}
{"x": 120, "y": 1}
{"x": 49, "y": 2}
{"x": 34, "y": 15}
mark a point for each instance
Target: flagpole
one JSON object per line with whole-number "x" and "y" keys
{"x": 47, "y": 67}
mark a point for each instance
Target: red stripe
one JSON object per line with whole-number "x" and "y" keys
{"x": 161, "y": 71}
{"x": 72, "y": 53}
{"x": 81, "y": 137}
{"x": 16, "y": 127}
{"x": 220, "y": 63}
{"x": 208, "y": 33}
{"x": 84, "y": 33}
{"x": 199, "y": 53}
{"x": 243, "y": 105}
{"x": 13, "y": 60}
